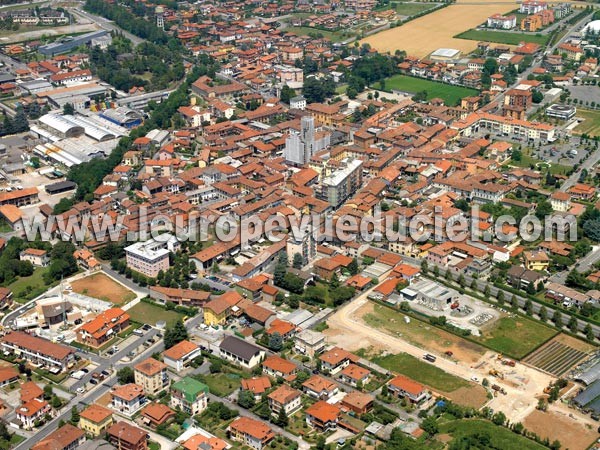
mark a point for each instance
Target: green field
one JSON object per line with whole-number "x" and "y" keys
{"x": 27, "y": 288}
{"x": 220, "y": 384}
{"x": 555, "y": 168}
{"x": 501, "y": 37}
{"x": 500, "y": 437}
{"x": 450, "y": 94}
{"x": 147, "y": 313}
{"x": 333, "y": 36}
{"x": 425, "y": 373}
{"x": 591, "y": 124}
{"x": 515, "y": 336}
{"x": 411, "y": 8}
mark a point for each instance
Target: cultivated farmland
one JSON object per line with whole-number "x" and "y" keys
{"x": 422, "y": 36}
{"x": 450, "y": 94}
{"x": 558, "y": 355}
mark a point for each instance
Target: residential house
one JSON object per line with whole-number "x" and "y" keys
{"x": 320, "y": 387}
{"x": 323, "y": 416}
{"x": 36, "y": 256}
{"x": 285, "y": 398}
{"x": 536, "y": 260}
{"x": 309, "y": 342}
{"x": 66, "y": 437}
{"x": 189, "y": 395}
{"x": 180, "y": 355}
{"x": 95, "y": 419}
{"x": 32, "y": 412}
{"x": 155, "y": 414}
{"x": 257, "y": 385}
{"x": 355, "y": 374}
{"x": 103, "y": 328}
{"x": 401, "y": 386}
{"x": 358, "y": 402}
{"x": 240, "y": 352}
{"x": 127, "y": 399}
{"x": 127, "y": 437}
{"x": 218, "y": 310}
{"x": 336, "y": 359}
{"x": 276, "y": 367}
{"x": 250, "y": 432}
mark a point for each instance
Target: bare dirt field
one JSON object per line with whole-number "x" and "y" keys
{"x": 422, "y": 36}
{"x": 419, "y": 333}
{"x": 557, "y": 425}
{"x": 103, "y": 287}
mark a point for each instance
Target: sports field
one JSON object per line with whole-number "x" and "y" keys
{"x": 502, "y": 37}
{"x": 515, "y": 336}
{"x": 450, "y": 94}
{"x": 590, "y": 124}
{"x": 426, "y": 34}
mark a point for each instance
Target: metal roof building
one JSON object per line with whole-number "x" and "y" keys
{"x": 60, "y": 125}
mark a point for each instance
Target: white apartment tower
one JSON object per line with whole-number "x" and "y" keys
{"x": 299, "y": 148}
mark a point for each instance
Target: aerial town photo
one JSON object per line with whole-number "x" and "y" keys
{"x": 299, "y": 224}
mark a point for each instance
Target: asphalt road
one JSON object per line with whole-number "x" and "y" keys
{"x": 105, "y": 24}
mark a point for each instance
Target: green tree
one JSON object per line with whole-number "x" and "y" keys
{"x": 500, "y": 298}
{"x": 425, "y": 267}
{"x": 573, "y": 324}
{"x": 125, "y": 375}
{"x": 287, "y": 93}
{"x": 68, "y": 109}
{"x": 353, "y": 267}
{"x": 334, "y": 283}
{"x": 557, "y": 319}
{"x": 176, "y": 334}
{"x": 246, "y": 399}
{"x": 514, "y": 303}
{"x": 589, "y": 332}
{"x": 528, "y": 307}
{"x": 430, "y": 426}
{"x": 74, "y": 416}
{"x": 543, "y": 313}
{"x": 298, "y": 261}
{"x": 276, "y": 342}
{"x": 282, "y": 418}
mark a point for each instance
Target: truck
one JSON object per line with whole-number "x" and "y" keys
{"x": 429, "y": 357}
{"x": 497, "y": 388}
{"x": 496, "y": 373}
{"x": 78, "y": 375}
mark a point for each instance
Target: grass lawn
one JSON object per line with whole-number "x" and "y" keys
{"x": 27, "y": 288}
{"x": 412, "y": 8}
{"x": 450, "y": 94}
{"x": 591, "y": 123}
{"x": 515, "y": 336}
{"x": 527, "y": 160}
{"x": 425, "y": 373}
{"x": 500, "y": 437}
{"x": 147, "y": 313}
{"x": 502, "y": 37}
{"x": 333, "y": 36}
{"x": 220, "y": 384}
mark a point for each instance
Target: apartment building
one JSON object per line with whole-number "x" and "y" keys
{"x": 336, "y": 359}
{"x": 103, "y": 328}
{"x": 152, "y": 375}
{"x": 323, "y": 416}
{"x": 38, "y": 351}
{"x": 32, "y": 411}
{"x": 152, "y": 256}
{"x": 502, "y": 22}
